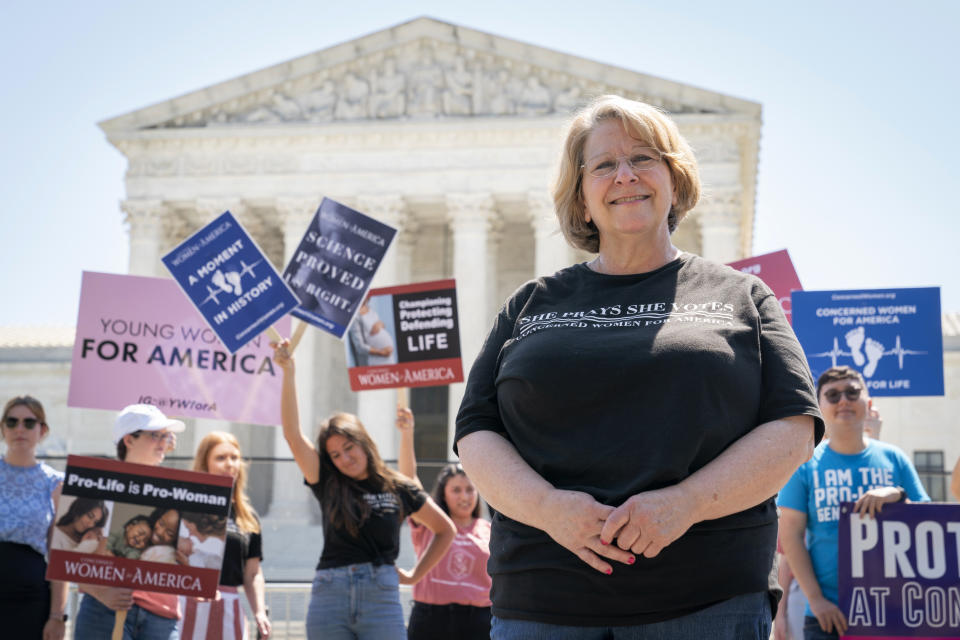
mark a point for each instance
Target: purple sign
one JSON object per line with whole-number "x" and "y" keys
{"x": 900, "y": 573}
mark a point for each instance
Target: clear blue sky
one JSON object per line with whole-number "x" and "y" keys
{"x": 858, "y": 163}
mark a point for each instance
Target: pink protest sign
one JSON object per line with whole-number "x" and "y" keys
{"x": 777, "y": 272}
{"x": 139, "y": 340}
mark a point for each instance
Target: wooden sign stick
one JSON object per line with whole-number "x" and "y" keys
{"x": 297, "y": 334}
{"x": 120, "y": 617}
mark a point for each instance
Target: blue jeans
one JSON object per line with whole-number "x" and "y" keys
{"x": 356, "y": 602}
{"x": 812, "y": 630}
{"x": 95, "y": 622}
{"x": 745, "y": 617}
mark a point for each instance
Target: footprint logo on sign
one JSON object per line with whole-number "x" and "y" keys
{"x": 874, "y": 351}
{"x": 855, "y": 338}
{"x": 229, "y": 281}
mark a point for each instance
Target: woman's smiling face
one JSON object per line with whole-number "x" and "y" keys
{"x": 461, "y": 496}
{"x": 627, "y": 204}
{"x": 347, "y": 456}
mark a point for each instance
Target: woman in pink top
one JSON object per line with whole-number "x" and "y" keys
{"x": 453, "y": 599}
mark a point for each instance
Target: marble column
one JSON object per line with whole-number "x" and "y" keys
{"x": 377, "y": 408}
{"x": 289, "y": 500}
{"x": 719, "y": 220}
{"x": 145, "y": 219}
{"x": 552, "y": 252}
{"x": 470, "y": 216}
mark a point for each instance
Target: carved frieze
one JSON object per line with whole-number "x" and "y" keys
{"x": 419, "y": 80}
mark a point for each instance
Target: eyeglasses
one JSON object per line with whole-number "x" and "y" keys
{"x": 607, "y": 164}
{"x": 833, "y": 395}
{"x": 157, "y": 436}
{"x": 28, "y": 423}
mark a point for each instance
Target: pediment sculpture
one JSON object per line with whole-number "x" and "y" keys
{"x": 425, "y": 81}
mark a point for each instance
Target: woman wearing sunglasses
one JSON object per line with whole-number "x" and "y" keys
{"x": 630, "y": 418}
{"x": 30, "y": 607}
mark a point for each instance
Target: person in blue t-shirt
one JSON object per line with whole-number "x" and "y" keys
{"x": 845, "y": 468}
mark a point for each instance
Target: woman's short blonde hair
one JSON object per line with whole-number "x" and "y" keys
{"x": 645, "y": 123}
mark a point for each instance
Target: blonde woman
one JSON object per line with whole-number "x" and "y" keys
{"x": 630, "y": 418}
{"x": 219, "y": 453}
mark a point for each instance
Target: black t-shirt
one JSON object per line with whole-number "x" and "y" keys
{"x": 240, "y": 547}
{"x": 379, "y": 538}
{"x": 615, "y": 385}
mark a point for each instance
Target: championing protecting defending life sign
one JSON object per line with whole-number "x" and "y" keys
{"x": 406, "y": 336}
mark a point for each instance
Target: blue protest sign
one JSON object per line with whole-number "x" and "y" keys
{"x": 899, "y": 574}
{"x": 332, "y": 268}
{"x": 892, "y": 336}
{"x": 230, "y": 281}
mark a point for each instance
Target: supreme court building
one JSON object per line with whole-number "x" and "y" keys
{"x": 448, "y": 134}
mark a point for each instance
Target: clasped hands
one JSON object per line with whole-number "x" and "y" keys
{"x": 595, "y": 533}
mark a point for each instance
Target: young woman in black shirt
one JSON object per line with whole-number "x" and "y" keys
{"x": 356, "y": 588}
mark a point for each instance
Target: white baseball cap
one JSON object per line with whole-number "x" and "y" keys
{"x": 143, "y": 417}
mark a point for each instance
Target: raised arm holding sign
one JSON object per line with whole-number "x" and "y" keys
{"x": 364, "y": 504}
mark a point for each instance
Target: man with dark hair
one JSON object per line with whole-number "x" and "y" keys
{"x": 845, "y": 468}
